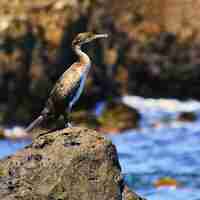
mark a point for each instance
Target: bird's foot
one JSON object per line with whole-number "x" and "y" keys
{"x": 68, "y": 125}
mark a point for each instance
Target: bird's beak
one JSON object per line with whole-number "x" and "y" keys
{"x": 101, "y": 36}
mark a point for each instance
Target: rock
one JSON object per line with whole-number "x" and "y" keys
{"x": 130, "y": 195}
{"x": 187, "y": 117}
{"x": 115, "y": 117}
{"x": 118, "y": 117}
{"x": 85, "y": 118}
{"x": 73, "y": 163}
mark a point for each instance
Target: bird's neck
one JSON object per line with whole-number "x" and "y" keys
{"x": 83, "y": 57}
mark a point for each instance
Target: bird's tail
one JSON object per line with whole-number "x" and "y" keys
{"x": 36, "y": 122}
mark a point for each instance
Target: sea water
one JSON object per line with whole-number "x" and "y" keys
{"x": 161, "y": 147}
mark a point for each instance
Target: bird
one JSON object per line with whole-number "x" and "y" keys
{"x": 69, "y": 86}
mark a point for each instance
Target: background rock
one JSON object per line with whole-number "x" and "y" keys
{"x": 74, "y": 163}
{"x": 153, "y": 50}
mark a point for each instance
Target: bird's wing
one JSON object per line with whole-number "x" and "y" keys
{"x": 68, "y": 82}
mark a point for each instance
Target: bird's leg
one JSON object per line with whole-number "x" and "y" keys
{"x": 66, "y": 119}
{"x": 67, "y": 116}
{"x": 35, "y": 123}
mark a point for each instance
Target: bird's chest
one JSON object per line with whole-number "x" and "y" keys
{"x": 72, "y": 83}
{"x": 78, "y": 89}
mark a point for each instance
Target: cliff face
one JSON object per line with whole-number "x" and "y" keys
{"x": 74, "y": 163}
{"x": 141, "y": 57}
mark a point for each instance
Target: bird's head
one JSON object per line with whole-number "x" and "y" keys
{"x": 83, "y": 38}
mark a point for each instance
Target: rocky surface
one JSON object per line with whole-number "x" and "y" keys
{"x": 74, "y": 163}
{"x": 118, "y": 117}
{"x": 187, "y": 117}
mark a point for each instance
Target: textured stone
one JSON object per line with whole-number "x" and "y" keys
{"x": 74, "y": 163}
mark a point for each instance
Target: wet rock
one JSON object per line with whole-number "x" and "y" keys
{"x": 85, "y": 118}
{"x": 74, "y": 163}
{"x": 187, "y": 117}
{"x": 115, "y": 117}
{"x": 130, "y": 195}
{"x": 118, "y": 117}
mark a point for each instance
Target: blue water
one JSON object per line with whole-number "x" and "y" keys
{"x": 9, "y": 147}
{"x": 150, "y": 154}
{"x": 171, "y": 149}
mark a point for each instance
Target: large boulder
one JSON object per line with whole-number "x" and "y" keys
{"x": 73, "y": 163}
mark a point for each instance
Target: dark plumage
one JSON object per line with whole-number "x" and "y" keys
{"x": 69, "y": 86}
